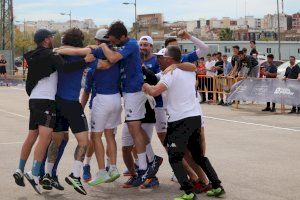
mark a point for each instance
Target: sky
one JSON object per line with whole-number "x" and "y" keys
{"x": 107, "y": 11}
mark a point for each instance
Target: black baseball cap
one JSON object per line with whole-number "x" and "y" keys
{"x": 41, "y": 34}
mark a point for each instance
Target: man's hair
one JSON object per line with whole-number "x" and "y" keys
{"x": 169, "y": 40}
{"x": 117, "y": 29}
{"x": 202, "y": 58}
{"x": 253, "y": 41}
{"x": 270, "y": 56}
{"x": 208, "y": 55}
{"x": 293, "y": 57}
{"x": 219, "y": 53}
{"x": 174, "y": 52}
{"x": 236, "y": 47}
{"x": 244, "y": 50}
{"x": 214, "y": 54}
{"x": 73, "y": 37}
{"x": 224, "y": 55}
{"x": 241, "y": 53}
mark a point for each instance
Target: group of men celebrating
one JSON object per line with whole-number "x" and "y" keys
{"x": 157, "y": 90}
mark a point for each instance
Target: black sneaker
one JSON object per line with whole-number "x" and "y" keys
{"x": 266, "y": 109}
{"x": 76, "y": 183}
{"x": 154, "y": 166}
{"x": 19, "y": 178}
{"x": 46, "y": 182}
{"x": 142, "y": 176}
{"x": 55, "y": 183}
{"x": 128, "y": 183}
{"x": 31, "y": 180}
{"x": 273, "y": 110}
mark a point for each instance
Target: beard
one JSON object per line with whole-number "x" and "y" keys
{"x": 144, "y": 54}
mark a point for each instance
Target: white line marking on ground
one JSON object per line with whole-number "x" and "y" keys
{"x": 250, "y": 123}
{"x": 15, "y": 88}
{"x": 15, "y": 114}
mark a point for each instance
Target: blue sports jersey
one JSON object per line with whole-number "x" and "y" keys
{"x": 152, "y": 64}
{"x": 106, "y": 81}
{"x": 190, "y": 57}
{"x": 131, "y": 67}
{"x": 90, "y": 83}
{"x": 69, "y": 83}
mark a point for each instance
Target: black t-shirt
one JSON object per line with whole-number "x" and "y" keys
{"x": 244, "y": 63}
{"x": 219, "y": 63}
{"x": 292, "y": 73}
{"x": 271, "y": 69}
{"x": 3, "y": 61}
{"x": 234, "y": 60}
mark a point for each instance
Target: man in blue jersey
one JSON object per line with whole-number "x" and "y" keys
{"x": 70, "y": 114}
{"x": 134, "y": 99}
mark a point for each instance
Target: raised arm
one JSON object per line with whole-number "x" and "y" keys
{"x": 73, "y": 51}
{"x": 112, "y": 56}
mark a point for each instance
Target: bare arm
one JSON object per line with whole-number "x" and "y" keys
{"x": 103, "y": 64}
{"x": 72, "y": 51}
{"x": 186, "y": 66}
{"x": 112, "y": 56}
{"x": 84, "y": 99}
{"x": 155, "y": 90}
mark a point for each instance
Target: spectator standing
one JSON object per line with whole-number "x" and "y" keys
{"x": 219, "y": 70}
{"x": 201, "y": 72}
{"x": 293, "y": 72}
{"x": 235, "y": 60}
{"x": 243, "y": 65}
{"x": 253, "y": 51}
{"x": 3, "y": 64}
{"x": 271, "y": 72}
{"x": 210, "y": 73}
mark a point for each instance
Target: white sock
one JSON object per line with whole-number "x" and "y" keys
{"x": 150, "y": 153}
{"x": 77, "y": 166}
{"x": 36, "y": 179}
{"x": 112, "y": 167}
{"x": 107, "y": 162}
{"x": 50, "y": 168}
{"x": 87, "y": 160}
{"x": 142, "y": 161}
{"x": 136, "y": 162}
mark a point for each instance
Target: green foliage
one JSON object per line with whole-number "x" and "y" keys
{"x": 226, "y": 34}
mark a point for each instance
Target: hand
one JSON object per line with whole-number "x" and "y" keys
{"x": 184, "y": 35}
{"x": 104, "y": 64}
{"x": 171, "y": 68}
{"x": 103, "y": 45}
{"x": 145, "y": 87}
{"x": 89, "y": 58}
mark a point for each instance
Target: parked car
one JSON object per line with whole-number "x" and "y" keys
{"x": 264, "y": 64}
{"x": 281, "y": 69}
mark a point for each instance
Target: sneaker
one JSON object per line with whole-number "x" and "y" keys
{"x": 266, "y": 109}
{"x": 19, "y": 178}
{"x": 174, "y": 179}
{"x": 127, "y": 173}
{"x": 31, "y": 180}
{"x": 200, "y": 187}
{"x": 216, "y": 192}
{"x": 55, "y": 183}
{"x": 221, "y": 103}
{"x": 150, "y": 183}
{"x": 114, "y": 175}
{"x": 129, "y": 182}
{"x": 142, "y": 176}
{"x": 154, "y": 166}
{"x": 86, "y": 173}
{"x": 46, "y": 182}
{"x": 273, "y": 110}
{"x": 191, "y": 196}
{"x": 76, "y": 183}
{"x": 101, "y": 177}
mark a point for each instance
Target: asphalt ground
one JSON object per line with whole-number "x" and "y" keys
{"x": 256, "y": 155}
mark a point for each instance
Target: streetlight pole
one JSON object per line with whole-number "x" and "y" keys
{"x": 278, "y": 33}
{"x": 135, "y": 17}
{"x": 70, "y": 15}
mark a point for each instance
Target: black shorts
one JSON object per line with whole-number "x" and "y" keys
{"x": 42, "y": 113}
{"x": 2, "y": 70}
{"x": 69, "y": 114}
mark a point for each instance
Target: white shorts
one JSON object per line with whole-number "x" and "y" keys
{"x": 127, "y": 139}
{"x": 106, "y": 112}
{"x": 134, "y": 104}
{"x": 161, "y": 120}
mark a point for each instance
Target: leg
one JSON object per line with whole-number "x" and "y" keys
{"x": 99, "y": 149}
{"x": 111, "y": 145}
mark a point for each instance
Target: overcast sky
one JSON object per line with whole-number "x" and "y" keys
{"x": 106, "y": 11}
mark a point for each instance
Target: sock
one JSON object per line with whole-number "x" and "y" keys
{"x": 136, "y": 162}
{"x": 36, "y": 179}
{"x": 142, "y": 161}
{"x": 107, "y": 162}
{"x": 59, "y": 155}
{"x": 50, "y": 168}
{"x": 112, "y": 167}
{"x": 22, "y": 165}
{"x": 87, "y": 160}
{"x": 36, "y": 168}
{"x": 42, "y": 169}
{"x": 77, "y": 166}
{"x": 150, "y": 153}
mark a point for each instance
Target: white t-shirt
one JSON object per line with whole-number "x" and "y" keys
{"x": 46, "y": 88}
{"x": 180, "y": 97}
{"x": 208, "y": 66}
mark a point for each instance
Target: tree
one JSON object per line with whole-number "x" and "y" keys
{"x": 23, "y": 42}
{"x": 226, "y": 34}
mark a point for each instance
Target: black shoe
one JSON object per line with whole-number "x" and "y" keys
{"x": 266, "y": 109}
{"x": 19, "y": 178}
{"x": 140, "y": 178}
{"x": 273, "y": 110}
{"x": 55, "y": 183}
{"x": 154, "y": 166}
{"x": 31, "y": 180}
{"x": 46, "y": 182}
{"x": 75, "y": 183}
{"x": 221, "y": 103}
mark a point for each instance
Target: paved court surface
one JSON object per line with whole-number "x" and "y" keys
{"x": 256, "y": 155}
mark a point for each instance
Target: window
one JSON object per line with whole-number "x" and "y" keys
{"x": 299, "y": 50}
{"x": 226, "y": 49}
{"x": 269, "y": 50}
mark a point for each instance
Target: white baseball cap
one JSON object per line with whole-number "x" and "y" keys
{"x": 147, "y": 39}
{"x": 161, "y": 52}
{"x": 101, "y": 34}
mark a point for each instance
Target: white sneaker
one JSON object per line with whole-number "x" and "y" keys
{"x": 34, "y": 183}
{"x": 101, "y": 177}
{"x": 114, "y": 174}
